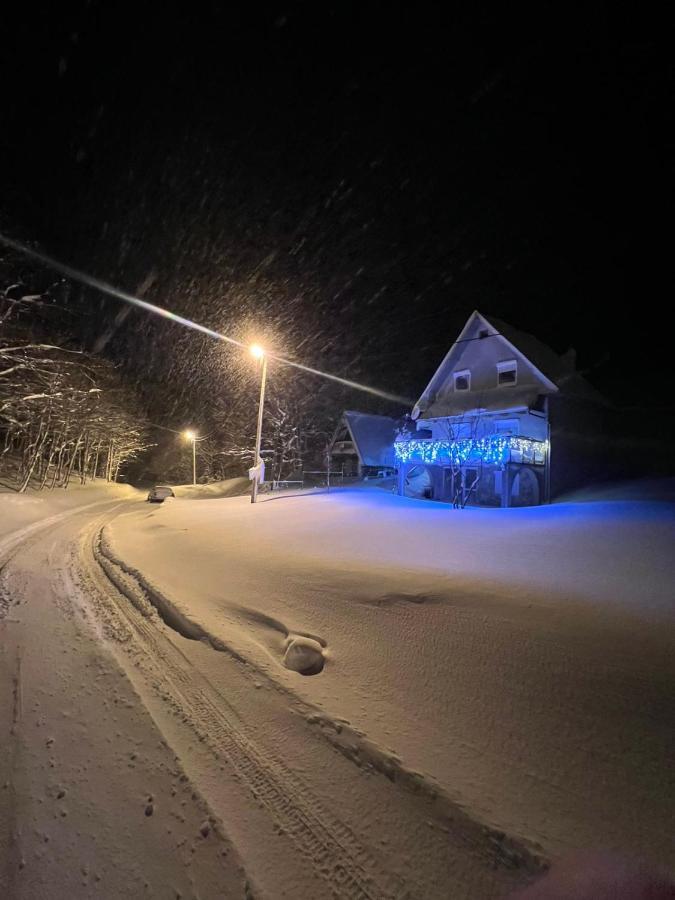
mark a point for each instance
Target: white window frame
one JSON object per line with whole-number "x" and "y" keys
{"x": 464, "y": 373}
{"x": 508, "y": 365}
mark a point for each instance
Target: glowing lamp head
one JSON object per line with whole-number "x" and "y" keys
{"x": 256, "y": 351}
{"x": 189, "y": 435}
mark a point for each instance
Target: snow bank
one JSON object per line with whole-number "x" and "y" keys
{"x": 20, "y": 510}
{"x": 230, "y": 487}
{"x": 644, "y": 489}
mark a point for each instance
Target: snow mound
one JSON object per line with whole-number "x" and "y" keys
{"x": 230, "y": 487}
{"x": 304, "y": 655}
{"x": 644, "y": 489}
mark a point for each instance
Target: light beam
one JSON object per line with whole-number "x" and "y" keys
{"x": 99, "y": 285}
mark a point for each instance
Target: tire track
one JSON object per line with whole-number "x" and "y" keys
{"x": 498, "y": 849}
{"x": 326, "y": 843}
{"x": 14, "y": 541}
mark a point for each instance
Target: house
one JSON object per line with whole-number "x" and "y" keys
{"x": 363, "y": 444}
{"x": 504, "y": 421}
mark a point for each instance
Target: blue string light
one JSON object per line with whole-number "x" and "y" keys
{"x": 492, "y": 450}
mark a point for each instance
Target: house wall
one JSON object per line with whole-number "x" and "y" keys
{"x": 521, "y": 422}
{"x": 481, "y": 357}
{"x": 590, "y": 442}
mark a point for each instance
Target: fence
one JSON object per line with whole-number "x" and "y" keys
{"x": 322, "y": 477}
{"x": 279, "y": 484}
{"x": 309, "y": 478}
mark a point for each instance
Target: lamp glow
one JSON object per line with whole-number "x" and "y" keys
{"x": 189, "y": 435}
{"x": 257, "y": 351}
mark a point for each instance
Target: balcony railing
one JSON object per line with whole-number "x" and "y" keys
{"x": 343, "y": 447}
{"x": 496, "y": 449}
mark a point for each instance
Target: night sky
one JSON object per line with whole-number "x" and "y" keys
{"x": 349, "y": 180}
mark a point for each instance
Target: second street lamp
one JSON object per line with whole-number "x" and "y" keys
{"x": 190, "y": 435}
{"x": 258, "y": 352}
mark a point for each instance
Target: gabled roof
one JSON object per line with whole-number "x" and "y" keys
{"x": 542, "y": 357}
{"x": 373, "y": 437}
{"x": 547, "y": 371}
{"x": 560, "y": 369}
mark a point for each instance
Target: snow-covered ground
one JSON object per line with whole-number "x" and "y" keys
{"x": 23, "y": 510}
{"x": 230, "y": 487}
{"x": 483, "y": 692}
{"x": 93, "y": 802}
{"x": 519, "y": 661}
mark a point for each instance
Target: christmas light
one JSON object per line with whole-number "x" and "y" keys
{"x": 492, "y": 450}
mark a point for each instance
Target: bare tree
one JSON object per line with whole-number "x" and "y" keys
{"x": 63, "y": 413}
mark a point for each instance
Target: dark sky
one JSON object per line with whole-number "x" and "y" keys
{"x": 372, "y": 175}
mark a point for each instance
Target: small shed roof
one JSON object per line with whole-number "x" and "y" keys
{"x": 373, "y": 437}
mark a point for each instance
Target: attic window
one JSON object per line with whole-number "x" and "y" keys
{"x": 484, "y": 333}
{"x": 463, "y": 380}
{"x": 507, "y": 372}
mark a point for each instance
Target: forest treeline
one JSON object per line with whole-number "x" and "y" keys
{"x": 65, "y": 414}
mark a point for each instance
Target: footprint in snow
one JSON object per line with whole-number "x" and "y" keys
{"x": 304, "y": 655}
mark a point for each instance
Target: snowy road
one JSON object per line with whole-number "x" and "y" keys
{"x": 144, "y": 762}
{"x": 94, "y": 803}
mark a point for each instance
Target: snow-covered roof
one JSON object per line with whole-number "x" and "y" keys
{"x": 541, "y": 371}
{"x": 373, "y": 437}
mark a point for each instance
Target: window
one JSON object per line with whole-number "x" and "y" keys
{"x": 483, "y": 334}
{"x": 507, "y": 426}
{"x": 507, "y": 372}
{"x": 463, "y": 380}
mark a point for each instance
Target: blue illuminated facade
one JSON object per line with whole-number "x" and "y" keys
{"x": 480, "y": 432}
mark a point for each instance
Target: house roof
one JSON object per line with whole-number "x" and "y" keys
{"x": 549, "y": 370}
{"x": 544, "y": 358}
{"x": 560, "y": 369}
{"x": 373, "y": 437}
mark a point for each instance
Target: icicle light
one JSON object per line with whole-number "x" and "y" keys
{"x": 494, "y": 450}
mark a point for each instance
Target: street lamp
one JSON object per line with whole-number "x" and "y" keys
{"x": 258, "y": 352}
{"x": 190, "y": 435}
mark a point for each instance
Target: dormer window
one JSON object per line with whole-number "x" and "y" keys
{"x": 507, "y": 372}
{"x": 463, "y": 380}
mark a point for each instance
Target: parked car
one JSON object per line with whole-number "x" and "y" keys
{"x": 159, "y": 494}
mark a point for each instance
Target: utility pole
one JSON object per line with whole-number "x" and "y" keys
{"x": 190, "y": 435}
{"x": 259, "y": 353}
{"x": 194, "y": 462}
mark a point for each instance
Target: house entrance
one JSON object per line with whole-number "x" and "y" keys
{"x": 525, "y": 488}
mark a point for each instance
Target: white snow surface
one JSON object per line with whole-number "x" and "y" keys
{"x": 229, "y": 487}
{"x": 93, "y": 802}
{"x": 18, "y": 511}
{"x": 520, "y": 661}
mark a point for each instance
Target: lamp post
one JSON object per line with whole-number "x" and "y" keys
{"x": 258, "y": 352}
{"x": 191, "y": 436}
